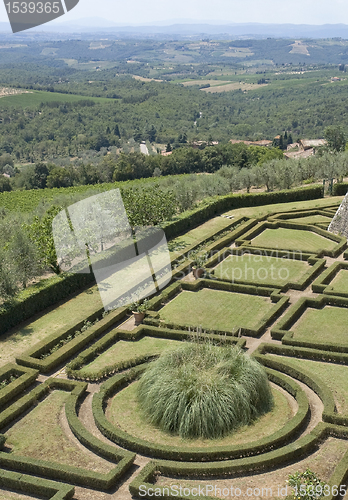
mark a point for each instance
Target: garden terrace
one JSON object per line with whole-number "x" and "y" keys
{"x": 207, "y": 304}
{"x": 307, "y": 324}
{"x": 295, "y": 238}
{"x": 262, "y": 267}
{"x": 97, "y": 431}
{"x": 320, "y": 218}
{"x": 333, "y": 281}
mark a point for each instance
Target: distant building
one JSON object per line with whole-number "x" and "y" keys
{"x": 166, "y": 153}
{"x": 198, "y": 144}
{"x": 299, "y": 154}
{"x": 311, "y": 143}
{"x": 263, "y": 142}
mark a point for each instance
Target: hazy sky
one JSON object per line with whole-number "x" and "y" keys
{"x": 237, "y": 11}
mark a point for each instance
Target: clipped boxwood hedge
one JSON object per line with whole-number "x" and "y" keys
{"x": 65, "y": 473}
{"x": 340, "y": 246}
{"x": 317, "y": 265}
{"x": 281, "y": 302}
{"x": 340, "y": 189}
{"x": 283, "y": 329}
{"x": 32, "y": 359}
{"x": 73, "y": 368}
{"x": 322, "y": 283}
{"x": 324, "y": 393}
{"x": 22, "y": 483}
{"x": 24, "y": 377}
{"x": 144, "y": 484}
{"x": 285, "y": 435}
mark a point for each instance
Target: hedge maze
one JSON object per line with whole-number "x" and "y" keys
{"x": 71, "y": 426}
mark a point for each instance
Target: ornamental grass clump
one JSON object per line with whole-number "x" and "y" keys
{"x": 204, "y": 391}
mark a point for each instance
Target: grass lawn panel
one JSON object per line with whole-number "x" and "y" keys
{"x": 66, "y": 314}
{"x": 124, "y": 412}
{"x": 333, "y": 376}
{"x": 39, "y": 435}
{"x": 261, "y": 269}
{"x": 311, "y": 219}
{"x": 293, "y": 239}
{"x": 205, "y": 230}
{"x": 124, "y": 350}
{"x": 9, "y": 495}
{"x": 323, "y": 462}
{"x": 340, "y": 282}
{"x": 329, "y": 324}
{"x": 320, "y": 203}
{"x": 216, "y": 310}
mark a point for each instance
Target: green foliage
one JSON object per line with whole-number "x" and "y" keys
{"x": 204, "y": 390}
{"x": 307, "y": 485}
{"x": 336, "y": 139}
{"x": 40, "y": 232}
{"x": 149, "y": 206}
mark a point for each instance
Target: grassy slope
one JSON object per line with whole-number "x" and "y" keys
{"x": 216, "y": 310}
{"x": 124, "y": 412}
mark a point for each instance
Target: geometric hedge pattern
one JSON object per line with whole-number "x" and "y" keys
{"x": 69, "y": 421}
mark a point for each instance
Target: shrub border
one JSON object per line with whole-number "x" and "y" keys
{"x": 22, "y": 483}
{"x": 30, "y": 357}
{"x": 148, "y": 475}
{"x": 123, "y": 439}
{"x": 282, "y": 331}
{"x": 92, "y": 352}
{"x": 322, "y": 283}
{"x": 26, "y": 377}
{"x": 176, "y": 288}
{"x": 302, "y": 283}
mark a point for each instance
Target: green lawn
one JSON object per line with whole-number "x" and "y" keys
{"x": 340, "y": 281}
{"x": 216, "y": 310}
{"x": 292, "y": 239}
{"x": 329, "y": 325}
{"x": 203, "y": 231}
{"x": 123, "y": 351}
{"x": 39, "y": 435}
{"x": 124, "y": 412}
{"x": 64, "y": 315}
{"x": 285, "y": 207}
{"x": 311, "y": 219}
{"x": 261, "y": 269}
{"x": 334, "y": 376}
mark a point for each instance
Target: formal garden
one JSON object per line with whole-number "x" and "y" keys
{"x": 233, "y": 384}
